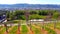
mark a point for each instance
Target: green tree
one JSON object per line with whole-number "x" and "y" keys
{"x": 56, "y": 15}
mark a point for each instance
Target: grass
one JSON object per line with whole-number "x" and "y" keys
{"x": 3, "y": 30}
{"x": 46, "y": 27}
{"x": 13, "y": 31}
{"x": 1, "y": 27}
{"x": 58, "y": 25}
{"x": 24, "y": 29}
{"x": 50, "y": 31}
{"x": 36, "y": 30}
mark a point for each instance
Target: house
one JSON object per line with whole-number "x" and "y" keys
{"x": 3, "y": 19}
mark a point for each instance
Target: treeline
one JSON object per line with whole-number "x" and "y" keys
{"x": 33, "y": 14}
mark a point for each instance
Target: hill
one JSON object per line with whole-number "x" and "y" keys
{"x": 29, "y": 6}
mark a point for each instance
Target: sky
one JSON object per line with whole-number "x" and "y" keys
{"x": 30, "y": 1}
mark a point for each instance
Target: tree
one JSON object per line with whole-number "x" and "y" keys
{"x": 18, "y": 13}
{"x": 56, "y": 15}
{"x": 43, "y": 12}
{"x": 33, "y": 12}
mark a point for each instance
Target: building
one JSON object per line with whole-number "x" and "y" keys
{"x": 2, "y": 16}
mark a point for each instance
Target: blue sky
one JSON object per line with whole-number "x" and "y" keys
{"x": 30, "y": 1}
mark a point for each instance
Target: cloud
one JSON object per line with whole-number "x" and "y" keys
{"x": 7, "y": 1}
{"x": 30, "y": 1}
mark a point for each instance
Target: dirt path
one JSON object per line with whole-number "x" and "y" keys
{"x": 18, "y": 30}
{"x": 5, "y": 32}
{"x": 42, "y": 30}
{"x": 57, "y": 31}
{"x": 30, "y": 31}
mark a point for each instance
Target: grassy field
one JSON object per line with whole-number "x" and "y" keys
{"x": 49, "y": 27}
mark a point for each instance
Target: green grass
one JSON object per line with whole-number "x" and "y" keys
{"x": 50, "y": 31}
{"x": 24, "y": 29}
{"x": 58, "y": 25}
{"x": 8, "y": 27}
{"x": 13, "y": 31}
{"x": 36, "y": 30}
{"x": 3, "y": 30}
{"x": 1, "y": 27}
{"x": 46, "y": 27}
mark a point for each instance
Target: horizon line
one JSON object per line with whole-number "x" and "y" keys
{"x": 32, "y": 3}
